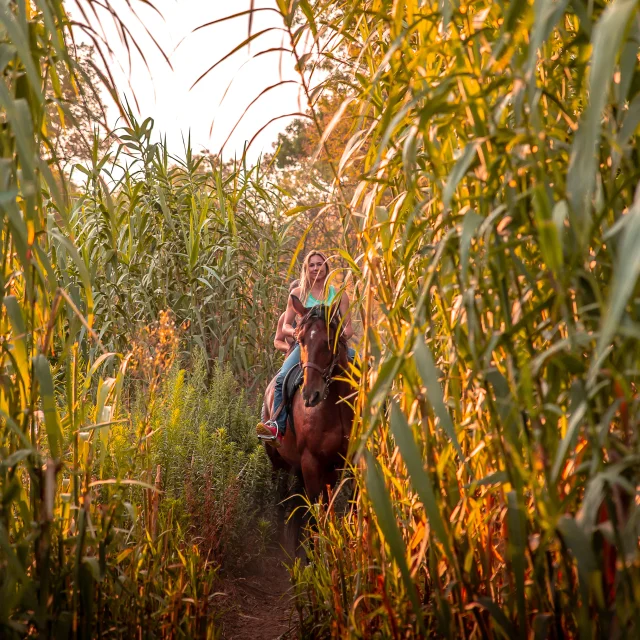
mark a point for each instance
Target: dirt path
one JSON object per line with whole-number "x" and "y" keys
{"x": 258, "y": 601}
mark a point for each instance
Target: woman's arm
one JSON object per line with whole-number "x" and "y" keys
{"x": 280, "y": 341}
{"x": 345, "y": 312}
{"x": 290, "y": 315}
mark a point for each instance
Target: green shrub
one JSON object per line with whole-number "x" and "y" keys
{"x": 86, "y": 551}
{"x": 200, "y": 238}
{"x": 215, "y": 474}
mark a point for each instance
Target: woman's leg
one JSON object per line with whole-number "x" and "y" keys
{"x": 291, "y": 361}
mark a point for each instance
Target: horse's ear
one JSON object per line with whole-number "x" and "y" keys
{"x": 300, "y": 309}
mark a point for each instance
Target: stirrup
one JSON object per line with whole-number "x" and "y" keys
{"x": 265, "y": 433}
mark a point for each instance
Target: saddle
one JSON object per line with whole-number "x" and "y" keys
{"x": 292, "y": 382}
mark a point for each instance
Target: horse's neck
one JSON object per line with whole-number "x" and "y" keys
{"x": 340, "y": 388}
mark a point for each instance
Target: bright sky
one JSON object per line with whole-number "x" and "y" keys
{"x": 166, "y": 95}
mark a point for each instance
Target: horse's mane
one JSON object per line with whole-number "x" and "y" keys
{"x": 321, "y": 312}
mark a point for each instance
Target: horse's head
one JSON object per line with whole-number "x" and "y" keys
{"x": 319, "y": 349}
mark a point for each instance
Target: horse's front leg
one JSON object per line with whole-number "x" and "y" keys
{"x": 313, "y": 476}
{"x": 315, "y": 485}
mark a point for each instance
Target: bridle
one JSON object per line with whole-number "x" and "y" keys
{"x": 327, "y": 372}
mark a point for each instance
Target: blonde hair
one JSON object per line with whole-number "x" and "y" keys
{"x": 305, "y": 284}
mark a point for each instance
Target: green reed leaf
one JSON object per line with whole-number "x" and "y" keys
{"x": 18, "y": 341}
{"x": 419, "y": 477}
{"x": 387, "y": 522}
{"x": 427, "y": 370}
{"x": 624, "y": 281}
{"x": 577, "y": 410}
{"x": 470, "y": 224}
{"x": 49, "y": 407}
{"x": 547, "y": 14}
{"x": 607, "y": 40}
{"x": 516, "y": 548}
{"x": 20, "y": 40}
{"x": 459, "y": 171}
{"x": 496, "y": 612}
{"x": 580, "y": 546}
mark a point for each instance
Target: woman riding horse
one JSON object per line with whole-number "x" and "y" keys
{"x": 312, "y": 292}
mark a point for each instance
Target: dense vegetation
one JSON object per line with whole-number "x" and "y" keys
{"x": 477, "y": 167}
{"x": 497, "y": 224}
{"x": 200, "y": 238}
{"x": 108, "y": 289}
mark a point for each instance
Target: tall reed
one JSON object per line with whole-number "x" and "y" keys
{"x": 201, "y": 238}
{"x": 86, "y": 550}
{"x": 496, "y": 438}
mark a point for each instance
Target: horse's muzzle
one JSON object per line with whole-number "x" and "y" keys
{"x": 312, "y": 399}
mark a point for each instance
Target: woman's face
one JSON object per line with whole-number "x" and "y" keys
{"x": 317, "y": 269}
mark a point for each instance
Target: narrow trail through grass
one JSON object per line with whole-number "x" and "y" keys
{"x": 258, "y": 600}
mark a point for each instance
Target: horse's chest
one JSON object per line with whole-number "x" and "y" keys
{"x": 323, "y": 435}
{"x": 323, "y": 431}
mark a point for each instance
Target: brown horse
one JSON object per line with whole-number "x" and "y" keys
{"x": 322, "y": 417}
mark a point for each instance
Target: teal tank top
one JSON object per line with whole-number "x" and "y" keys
{"x": 312, "y": 302}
